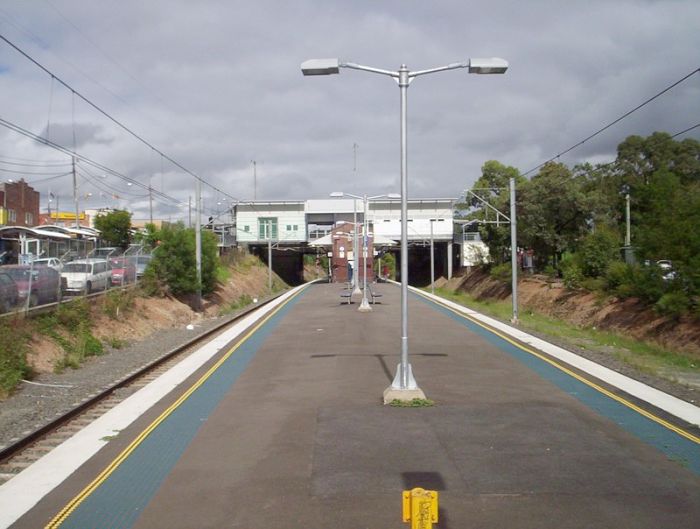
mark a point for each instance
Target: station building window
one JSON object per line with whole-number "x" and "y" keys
{"x": 267, "y": 228}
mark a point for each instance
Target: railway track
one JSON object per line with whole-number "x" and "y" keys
{"x": 31, "y": 447}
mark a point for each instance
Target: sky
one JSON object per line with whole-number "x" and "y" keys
{"x": 216, "y": 84}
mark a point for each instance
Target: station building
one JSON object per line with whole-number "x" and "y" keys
{"x": 292, "y": 229}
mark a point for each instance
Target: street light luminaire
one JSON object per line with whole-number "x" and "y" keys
{"x": 320, "y": 66}
{"x": 404, "y": 385}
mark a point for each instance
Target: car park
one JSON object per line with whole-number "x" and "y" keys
{"x": 123, "y": 270}
{"x": 8, "y": 292}
{"x": 86, "y": 276}
{"x": 142, "y": 262}
{"x": 41, "y": 284}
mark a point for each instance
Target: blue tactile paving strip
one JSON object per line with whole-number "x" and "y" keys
{"x": 121, "y": 497}
{"x": 674, "y": 446}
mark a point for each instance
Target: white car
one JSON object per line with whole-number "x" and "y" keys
{"x": 52, "y": 262}
{"x": 86, "y": 275}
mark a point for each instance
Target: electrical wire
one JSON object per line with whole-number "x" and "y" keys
{"x": 16, "y": 128}
{"x": 626, "y": 114}
{"x": 111, "y": 118}
{"x": 17, "y": 171}
{"x": 37, "y": 163}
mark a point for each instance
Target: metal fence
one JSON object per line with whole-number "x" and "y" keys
{"x": 35, "y": 284}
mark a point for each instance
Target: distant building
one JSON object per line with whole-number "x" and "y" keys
{"x": 64, "y": 218}
{"x": 19, "y": 204}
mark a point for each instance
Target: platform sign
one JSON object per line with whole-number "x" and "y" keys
{"x": 420, "y": 508}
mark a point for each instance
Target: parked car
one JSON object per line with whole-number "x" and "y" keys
{"x": 45, "y": 283}
{"x": 53, "y": 262}
{"x": 8, "y": 292}
{"x": 667, "y": 271}
{"x": 142, "y": 262}
{"x": 86, "y": 275}
{"x": 123, "y": 270}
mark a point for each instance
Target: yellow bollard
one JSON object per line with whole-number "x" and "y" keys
{"x": 420, "y": 508}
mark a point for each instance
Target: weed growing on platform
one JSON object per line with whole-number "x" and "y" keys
{"x": 415, "y": 403}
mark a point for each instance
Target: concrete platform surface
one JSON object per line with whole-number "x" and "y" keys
{"x": 290, "y": 432}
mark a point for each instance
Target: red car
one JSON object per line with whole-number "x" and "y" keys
{"x": 123, "y": 271}
{"x": 45, "y": 283}
{"x": 8, "y": 292}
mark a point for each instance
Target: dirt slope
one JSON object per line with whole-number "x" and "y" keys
{"x": 582, "y": 308}
{"x": 148, "y": 315}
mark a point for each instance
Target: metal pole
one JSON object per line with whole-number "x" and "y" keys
{"x": 628, "y": 233}
{"x": 150, "y": 203}
{"x": 269, "y": 255}
{"x": 198, "y": 240}
{"x": 355, "y": 249}
{"x": 404, "y": 368}
{"x": 75, "y": 196}
{"x": 364, "y": 306}
{"x": 432, "y": 260}
{"x": 255, "y": 180}
{"x": 189, "y": 211}
{"x": 513, "y": 251}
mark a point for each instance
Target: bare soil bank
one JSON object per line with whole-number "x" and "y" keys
{"x": 585, "y": 309}
{"x": 151, "y": 314}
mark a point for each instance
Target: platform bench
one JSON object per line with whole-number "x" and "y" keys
{"x": 346, "y": 296}
{"x": 374, "y": 294}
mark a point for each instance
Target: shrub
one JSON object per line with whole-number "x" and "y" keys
{"x": 13, "y": 356}
{"x": 571, "y": 270}
{"x": 174, "y": 260}
{"x": 673, "y": 304}
{"x": 117, "y": 301}
{"x": 596, "y": 252}
{"x": 501, "y": 272}
{"x": 616, "y": 275}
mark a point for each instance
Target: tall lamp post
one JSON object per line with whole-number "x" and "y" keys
{"x": 364, "y": 306}
{"x": 404, "y": 386}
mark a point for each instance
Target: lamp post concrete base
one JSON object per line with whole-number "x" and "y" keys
{"x": 407, "y": 394}
{"x": 404, "y": 395}
{"x": 364, "y": 306}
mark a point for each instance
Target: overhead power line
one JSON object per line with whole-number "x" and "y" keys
{"x": 113, "y": 119}
{"x": 626, "y": 114}
{"x": 16, "y": 128}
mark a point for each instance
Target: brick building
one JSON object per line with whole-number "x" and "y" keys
{"x": 19, "y": 204}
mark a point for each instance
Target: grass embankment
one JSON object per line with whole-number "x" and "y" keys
{"x": 644, "y": 356}
{"x": 248, "y": 266}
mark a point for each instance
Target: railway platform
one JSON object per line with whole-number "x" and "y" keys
{"x": 285, "y": 428}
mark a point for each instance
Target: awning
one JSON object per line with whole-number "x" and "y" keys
{"x": 379, "y": 240}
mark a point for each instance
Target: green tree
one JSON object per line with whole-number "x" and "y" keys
{"x": 174, "y": 261}
{"x": 492, "y": 190}
{"x": 554, "y": 212}
{"x": 115, "y": 228}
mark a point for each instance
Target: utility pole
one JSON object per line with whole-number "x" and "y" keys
{"x": 255, "y": 180}
{"x": 150, "y": 202}
{"x": 629, "y": 256}
{"x": 513, "y": 251}
{"x": 432, "y": 260}
{"x": 356, "y": 240}
{"x": 75, "y": 195}
{"x": 189, "y": 211}
{"x": 269, "y": 255}
{"x": 198, "y": 240}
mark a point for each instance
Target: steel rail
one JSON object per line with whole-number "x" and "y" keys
{"x": 15, "y": 448}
